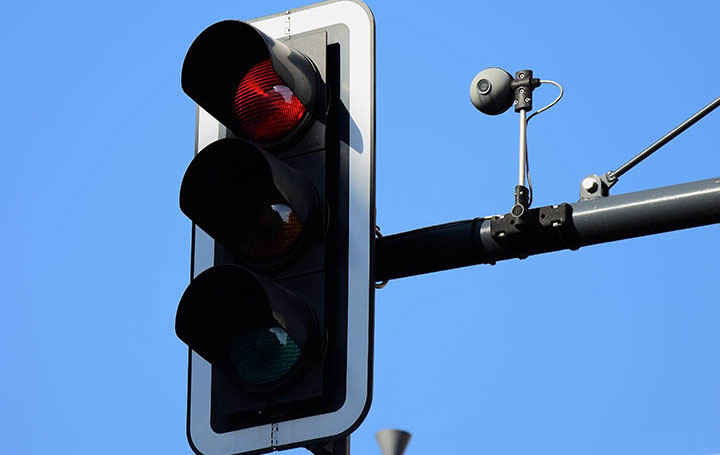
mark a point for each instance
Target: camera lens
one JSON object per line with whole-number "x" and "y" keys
{"x": 484, "y": 86}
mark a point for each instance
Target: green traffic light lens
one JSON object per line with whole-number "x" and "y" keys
{"x": 263, "y": 355}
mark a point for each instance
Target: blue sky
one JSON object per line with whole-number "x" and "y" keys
{"x": 611, "y": 349}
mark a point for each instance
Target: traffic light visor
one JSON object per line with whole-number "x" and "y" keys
{"x": 254, "y": 204}
{"x": 253, "y": 330}
{"x": 258, "y": 87}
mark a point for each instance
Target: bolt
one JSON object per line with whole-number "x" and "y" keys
{"x": 527, "y": 100}
{"x": 522, "y": 90}
{"x": 589, "y": 184}
{"x": 521, "y": 75}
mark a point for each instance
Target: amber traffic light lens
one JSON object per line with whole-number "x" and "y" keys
{"x": 264, "y": 106}
{"x": 273, "y": 232}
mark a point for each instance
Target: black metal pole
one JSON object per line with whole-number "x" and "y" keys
{"x": 567, "y": 226}
{"x": 340, "y": 446}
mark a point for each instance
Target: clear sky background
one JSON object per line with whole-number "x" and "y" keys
{"x": 612, "y": 349}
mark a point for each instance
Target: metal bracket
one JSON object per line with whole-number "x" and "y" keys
{"x": 537, "y": 224}
{"x": 378, "y": 235}
{"x": 594, "y": 186}
{"x": 523, "y": 86}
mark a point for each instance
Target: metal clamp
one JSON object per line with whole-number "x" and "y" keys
{"x": 540, "y": 225}
{"x": 378, "y": 234}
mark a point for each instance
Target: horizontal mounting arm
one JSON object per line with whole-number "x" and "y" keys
{"x": 551, "y": 228}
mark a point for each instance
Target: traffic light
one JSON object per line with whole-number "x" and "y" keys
{"x": 278, "y": 313}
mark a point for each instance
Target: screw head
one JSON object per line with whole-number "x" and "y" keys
{"x": 589, "y": 184}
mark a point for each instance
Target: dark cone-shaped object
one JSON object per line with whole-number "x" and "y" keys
{"x": 392, "y": 442}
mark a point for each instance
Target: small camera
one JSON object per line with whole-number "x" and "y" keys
{"x": 490, "y": 91}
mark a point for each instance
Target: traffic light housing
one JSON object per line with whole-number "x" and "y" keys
{"x": 260, "y": 88}
{"x": 278, "y": 314}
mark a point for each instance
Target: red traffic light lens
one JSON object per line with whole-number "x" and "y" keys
{"x": 264, "y": 106}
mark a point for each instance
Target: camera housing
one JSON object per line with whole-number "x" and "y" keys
{"x": 490, "y": 91}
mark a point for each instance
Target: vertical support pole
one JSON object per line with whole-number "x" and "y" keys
{"x": 523, "y": 147}
{"x": 522, "y": 195}
{"x": 340, "y": 446}
{"x": 522, "y": 86}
